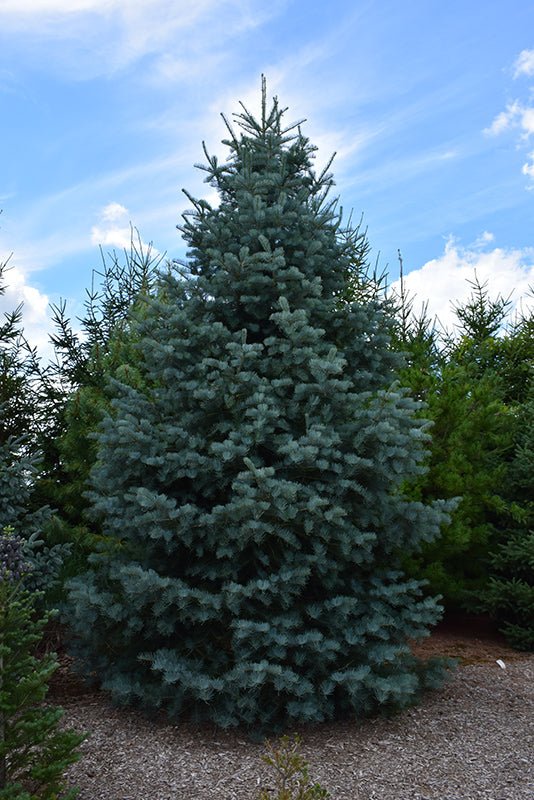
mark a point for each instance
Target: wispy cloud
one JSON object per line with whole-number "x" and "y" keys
{"x": 445, "y": 281}
{"x": 78, "y": 218}
{"x": 103, "y": 36}
{"x": 504, "y": 120}
{"x": 518, "y": 114}
{"x": 524, "y": 64}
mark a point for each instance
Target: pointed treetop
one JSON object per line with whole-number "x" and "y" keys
{"x": 270, "y": 119}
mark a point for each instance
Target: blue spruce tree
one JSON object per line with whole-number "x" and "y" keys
{"x": 253, "y": 480}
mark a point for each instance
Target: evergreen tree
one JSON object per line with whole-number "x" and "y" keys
{"x": 254, "y": 478}
{"x": 17, "y": 473}
{"x": 34, "y": 751}
{"x": 76, "y": 388}
{"x": 22, "y": 423}
{"x": 458, "y": 378}
{"x": 509, "y": 593}
{"x": 20, "y": 399}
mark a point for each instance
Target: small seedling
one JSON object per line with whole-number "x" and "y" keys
{"x": 291, "y": 773}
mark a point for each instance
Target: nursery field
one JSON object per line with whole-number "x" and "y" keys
{"x": 471, "y": 740}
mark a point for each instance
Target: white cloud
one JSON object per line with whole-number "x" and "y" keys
{"x": 19, "y": 291}
{"x": 524, "y": 64}
{"x": 114, "y": 211}
{"x": 527, "y": 120}
{"x": 528, "y": 169}
{"x": 515, "y": 115}
{"x": 506, "y": 119}
{"x": 518, "y": 114}
{"x": 484, "y": 239}
{"x": 35, "y": 313}
{"x": 444, "y": 281}
{"x": 114, "y": 228}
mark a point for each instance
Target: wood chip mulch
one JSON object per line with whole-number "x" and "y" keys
{"x": 473, "y": 739}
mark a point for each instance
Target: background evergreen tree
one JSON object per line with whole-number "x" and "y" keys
{"x": 509, "y": 594}
{"x": 23, "y": 424}
{"x": 17, "y": 473}
{"x": 34, "y": 751}
{"x": 21, "y": 401}
{"x": 254, "y": 477}
{"x": 102, "y": 344}
{"x": 457, "y": 376}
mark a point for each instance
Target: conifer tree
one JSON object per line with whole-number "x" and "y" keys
{"x": 34, "y": 751}
{"x": 509, "y": 593}
{"x": 76, "y": 388}
{"x": 22, "y": 422}
{"x": 254, "y": 478}
{"x": 458, "y": 378}
{"x": 78, "y": 377}
{"x": 20, "y": 398}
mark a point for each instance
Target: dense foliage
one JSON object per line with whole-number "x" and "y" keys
{"x": 509, "y": 594}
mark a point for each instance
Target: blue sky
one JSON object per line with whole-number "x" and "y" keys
{"x": 429, "y": 106}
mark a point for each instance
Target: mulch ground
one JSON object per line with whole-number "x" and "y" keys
{"x": 470, "y": 639}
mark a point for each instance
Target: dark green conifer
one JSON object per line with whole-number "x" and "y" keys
{"x": 76, "y": 386}
{"x": 509, "y": 593}
{"x": 19, "y": 377}
{"x": 78, "y": 378}
{"x": 34, "y": 750}
{"x": 254, "y": 478}
{"x": 22, "y": 424}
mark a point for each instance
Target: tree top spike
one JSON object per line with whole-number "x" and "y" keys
{"x": 263, "y": 100}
